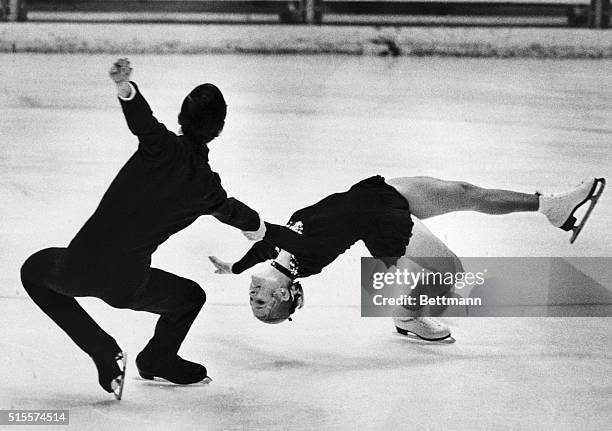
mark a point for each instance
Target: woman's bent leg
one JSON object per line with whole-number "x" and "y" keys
{"x": 430, "y": 255}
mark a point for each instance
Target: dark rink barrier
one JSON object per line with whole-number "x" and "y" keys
{"x": 577, "y": 13}
{"x": 487, "y": 287}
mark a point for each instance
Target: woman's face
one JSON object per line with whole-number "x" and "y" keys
{"x": 265, "y": 290}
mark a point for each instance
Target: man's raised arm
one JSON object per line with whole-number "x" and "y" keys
{"x": 153, "y": 136}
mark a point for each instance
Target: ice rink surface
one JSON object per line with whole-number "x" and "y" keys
{"x": 299, "y": 128}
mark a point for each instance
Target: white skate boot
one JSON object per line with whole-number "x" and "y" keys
{"x": 425, "y": 328}
{"x": 560, "y": 208}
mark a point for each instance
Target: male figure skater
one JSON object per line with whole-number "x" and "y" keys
{"x": 385, "y": 215}
{"x": 163, "y": 188}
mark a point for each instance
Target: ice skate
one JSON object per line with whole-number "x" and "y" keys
{"x": 173, "y": 369}
{"x": 425, "y": 328}
{"x": 560, "y": 208}
{"x": 111, "y": 373}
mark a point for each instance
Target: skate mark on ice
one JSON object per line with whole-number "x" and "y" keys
{"x": 29, "y": 102}
{"x": 595, "y": 130}
{"x": 37, "y": 352}
{"x": 20, "y": 188}
{"x": 110, "y": 408}
{"x": 335, "y": 361}
{"x": 35, "y": 103}
{"x": 283, "y": 364}
{"x": 53, "y": 400}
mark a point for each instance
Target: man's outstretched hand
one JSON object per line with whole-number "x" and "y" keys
{"x": 120, "y": 73}
{"x": 256, "y": 235}
{"x": 221, "y": 267}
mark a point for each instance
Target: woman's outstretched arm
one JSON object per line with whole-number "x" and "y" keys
{"x": 276, "y": 237}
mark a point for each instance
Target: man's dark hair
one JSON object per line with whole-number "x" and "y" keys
{"x": 203, "y": 113}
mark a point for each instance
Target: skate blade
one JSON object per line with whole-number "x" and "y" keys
{"x": 598, "y": 188}
{"x": 163, "y": 382}
{"x": 415, "y": 338}
{"x": 118, "y": 382}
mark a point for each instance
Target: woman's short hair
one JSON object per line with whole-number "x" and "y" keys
{"x": 203, "y": 113}
{"x": 279, "y": 310}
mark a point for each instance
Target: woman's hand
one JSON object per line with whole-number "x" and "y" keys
{"x": 221, "y": 267}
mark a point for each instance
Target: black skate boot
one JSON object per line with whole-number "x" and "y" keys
{"x": 172, "y": 368}
{"x": 111, "y": 372}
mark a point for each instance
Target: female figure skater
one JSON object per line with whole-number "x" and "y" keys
{"x": 163, "y": 188}
{"x": 386, "y": 216}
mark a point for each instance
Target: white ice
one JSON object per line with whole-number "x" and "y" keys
{"x": 298, "y": 129}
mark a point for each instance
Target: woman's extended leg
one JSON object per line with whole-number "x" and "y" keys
{"x": 429, "y": 197}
